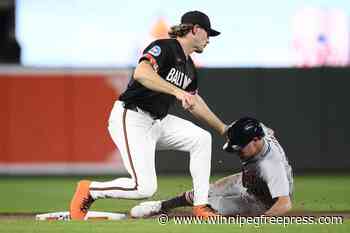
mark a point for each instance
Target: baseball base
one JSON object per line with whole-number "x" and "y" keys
{"x": 91, "y": 215}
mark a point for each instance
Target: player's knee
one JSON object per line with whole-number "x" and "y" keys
{"x": 201, "y": 139}
{"x": 204, "y": 138}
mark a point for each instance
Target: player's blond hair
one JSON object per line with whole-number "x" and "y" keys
{"x": 180, "y": 30}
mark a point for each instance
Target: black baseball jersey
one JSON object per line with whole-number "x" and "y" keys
{"x": 169, "y": 61}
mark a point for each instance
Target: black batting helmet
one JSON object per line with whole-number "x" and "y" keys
{"x": 241, "y": 132}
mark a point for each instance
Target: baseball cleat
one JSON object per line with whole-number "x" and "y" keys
{"x": 81, "y": 201}
{"x": 204, "y": 211}
{"x": 146, "y": 209}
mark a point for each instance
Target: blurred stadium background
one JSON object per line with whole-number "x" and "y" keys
{"x": 64, "y": 63}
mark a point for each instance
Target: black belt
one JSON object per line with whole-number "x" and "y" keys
{"x": 130, "y": 106}
{"x": 134, "y": 107}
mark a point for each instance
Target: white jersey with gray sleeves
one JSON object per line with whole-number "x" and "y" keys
{"x": 268, "y": 175}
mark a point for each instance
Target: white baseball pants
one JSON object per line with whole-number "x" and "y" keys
{"x": 137, "y": 136}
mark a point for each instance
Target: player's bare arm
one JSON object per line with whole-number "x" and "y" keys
{"x": 146, "y": 75}
{"x": 281, "y": 206}
{"x": 201, "y": 111}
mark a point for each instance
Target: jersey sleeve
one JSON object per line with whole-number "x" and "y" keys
{"x": 276, "y": 178}
{"x": 157, "y": 54}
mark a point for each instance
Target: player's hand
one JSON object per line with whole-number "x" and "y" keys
{"x": 225, "y": 129}
{"x": 187, "y": 100}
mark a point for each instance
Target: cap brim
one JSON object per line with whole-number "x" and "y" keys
{"x": 213, "y": 32}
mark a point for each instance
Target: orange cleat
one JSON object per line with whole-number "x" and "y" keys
{"x": 204, "y": 211}
{"x": 81, "y": 201}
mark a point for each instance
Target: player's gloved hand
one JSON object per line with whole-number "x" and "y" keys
{"x": 226, "y": 129}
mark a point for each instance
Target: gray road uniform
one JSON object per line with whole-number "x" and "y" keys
{"x": 263, "y": 178}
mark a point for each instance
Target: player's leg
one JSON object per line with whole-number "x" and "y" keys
{"x": 180, "y": 134}
{"x": 244, "y": 204}
{"x": 149, "y": 208}
{"x": 225, "y": 194}
{"x": 135, "y": 138}
{"x": 229, "y": 197}
{"x": 135, "y": 135}
{"x": 227, "y": 186}
{"x": 182, "y": 200}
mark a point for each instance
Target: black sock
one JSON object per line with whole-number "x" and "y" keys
{"x": 175, "y": 202}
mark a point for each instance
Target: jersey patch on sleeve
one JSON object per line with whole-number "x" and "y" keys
{"x": 155, "y": 51}
{"x": 152, "y": 61}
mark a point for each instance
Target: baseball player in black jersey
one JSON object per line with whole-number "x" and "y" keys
{"x": 139, "y": 123}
